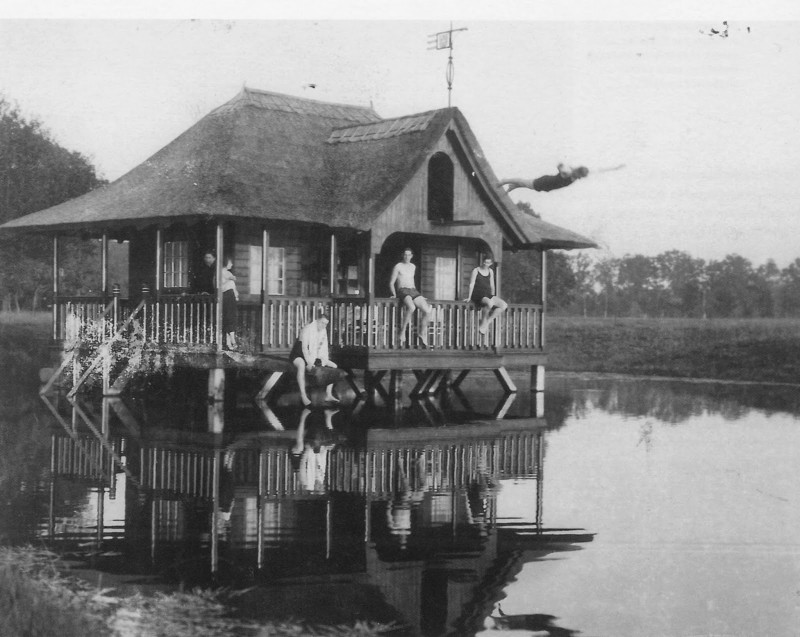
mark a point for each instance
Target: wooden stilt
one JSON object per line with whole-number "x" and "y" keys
{"x": 269, "y": 386}
{"x": 216, "y": 400}
{"x": 395, "y": 383}
{"x": 423, "y": 380}
{"x": 460, "y": 378}
{"x": 505, "y": 380}
{"x": 537, "y": 378}
{"x": 351, "y": 381}
{"x": 502, "y": 407}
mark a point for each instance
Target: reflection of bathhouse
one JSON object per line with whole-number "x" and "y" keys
{"x": 410, "y": 515}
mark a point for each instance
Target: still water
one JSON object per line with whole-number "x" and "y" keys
{"x": 612, "y": 507}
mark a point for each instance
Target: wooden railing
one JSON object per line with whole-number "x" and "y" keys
{"x": 191, "y": 320}
{"x": 453, "y": 325}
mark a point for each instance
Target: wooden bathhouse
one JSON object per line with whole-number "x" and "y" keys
{"x": 315, "y": 202}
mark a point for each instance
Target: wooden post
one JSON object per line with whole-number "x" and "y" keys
{"x": 115, "y": 293}
{"x": 264, "y": 288}
{"x": 216, "y": 400}
{"x": 459, "y": 270}
{"x": 543, "y": 300}
{"x": 159, "y": 261}
{"x": 371, "y": 277}
{"x": 333, "y": 264}
{"x": 218, "y": 314}
{"x": 159, "y": 279}
{"x": 104, "y": 265}
{"x": 55, "y": 288}
{"x": 537, "y": 378}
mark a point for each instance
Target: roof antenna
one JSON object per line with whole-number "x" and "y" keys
{"x": 444, "y": 40}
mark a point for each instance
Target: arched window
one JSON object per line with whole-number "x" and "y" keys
{"x": 440, "y": 188}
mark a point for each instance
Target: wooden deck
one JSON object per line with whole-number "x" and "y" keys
{"x": 363, "y": 336}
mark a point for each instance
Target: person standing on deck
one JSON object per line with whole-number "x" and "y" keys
{"x": 482, "y": 294}
{"x": 205, "y": 281}
{"x": 310, "y": 349}
{"x": 230, "y": 296}
{"x": 403, "y": 277}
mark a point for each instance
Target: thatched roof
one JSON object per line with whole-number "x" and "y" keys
{"x": 269, "y": 156}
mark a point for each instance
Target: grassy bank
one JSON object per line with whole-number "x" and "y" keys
{"x": 727, "y": 349}
{"x": 38, "y": 600}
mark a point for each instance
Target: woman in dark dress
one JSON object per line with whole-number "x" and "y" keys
{"x": 482, "y": 294}
{"x": 230, "y": 295}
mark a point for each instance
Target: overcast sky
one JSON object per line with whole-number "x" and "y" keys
{"x": 706, "y": 126}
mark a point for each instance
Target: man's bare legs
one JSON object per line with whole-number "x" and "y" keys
{"x": 408, "y": 316}
{"x": 424, "y": 307}
{"x": 491, "y": 308}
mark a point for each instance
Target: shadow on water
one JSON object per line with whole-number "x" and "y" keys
{"x": 366, "y": 510}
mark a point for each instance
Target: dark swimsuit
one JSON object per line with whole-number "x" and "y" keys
{"x": 404, "y": 292}
{"x": 482, "y": 289}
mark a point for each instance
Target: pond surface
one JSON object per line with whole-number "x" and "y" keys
{"x": 627, "y": 507}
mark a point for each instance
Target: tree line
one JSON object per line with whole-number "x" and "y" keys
{"x": 670, "y": 284}
{"x": 36, "y": 173}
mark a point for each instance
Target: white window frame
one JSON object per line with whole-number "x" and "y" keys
{"x": 276, "y": 271}
{"x": 176, "y": 264}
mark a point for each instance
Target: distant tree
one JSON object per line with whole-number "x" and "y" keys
{"x": 681, "y": 279}
{"x": 733, "y": 288}
{"x": 638, "y": 282}
{"x": 606, "y": 275}
{"x": 789, "y": 290}
{"x": 583, "y": 272}
{"x": 562, "y": 285}
{"x": 35, "y": 173}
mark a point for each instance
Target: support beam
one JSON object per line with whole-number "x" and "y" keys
{"x": 264, "y": 288}
{"x": 55, "y": 288}
{"x": 159, "y": 261}
{"x": 216, "y": 400}
{"x": 350, "y": 377}
{"x": 332, "y": 266}
{"x": 371, "y": 276}
{"x": 537, "y": 378}
{"x": 543, "y": 300}
{"x": 104, "y": 264}
{"x": 505, "y": 380}
{"x": 218, "y": 314}
{"x": 459, "y": 379}
{"x": 502, "y": 407}
{"x": 268, "y": 386}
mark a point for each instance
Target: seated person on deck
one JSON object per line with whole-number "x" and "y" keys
{"x": 403, "y": 277}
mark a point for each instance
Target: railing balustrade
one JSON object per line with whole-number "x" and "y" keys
{"x": 191, "y": 320}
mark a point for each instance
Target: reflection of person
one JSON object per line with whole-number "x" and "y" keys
{"x": 411, "y": 483}
{"x": 310, "y": 350}
{"x": 309, "y": 454}
{"x": 565, "y": 176}
{"x": 537, "y": 622}
{"x": 230, "y": 295}
{"x": 205, "y": 281}
{"x": 482, "y": 294}
{"x": 403, "y": 277}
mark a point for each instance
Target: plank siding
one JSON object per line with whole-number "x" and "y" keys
{"x": 409, "y": 212}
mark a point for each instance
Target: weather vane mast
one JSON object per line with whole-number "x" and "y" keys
{"x": 444, "y": 40}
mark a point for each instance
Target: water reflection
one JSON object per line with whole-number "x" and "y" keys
{"x": 391, "y": 512}
{"x": 670, "y": 401}
{"x": 412, "y": 511}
